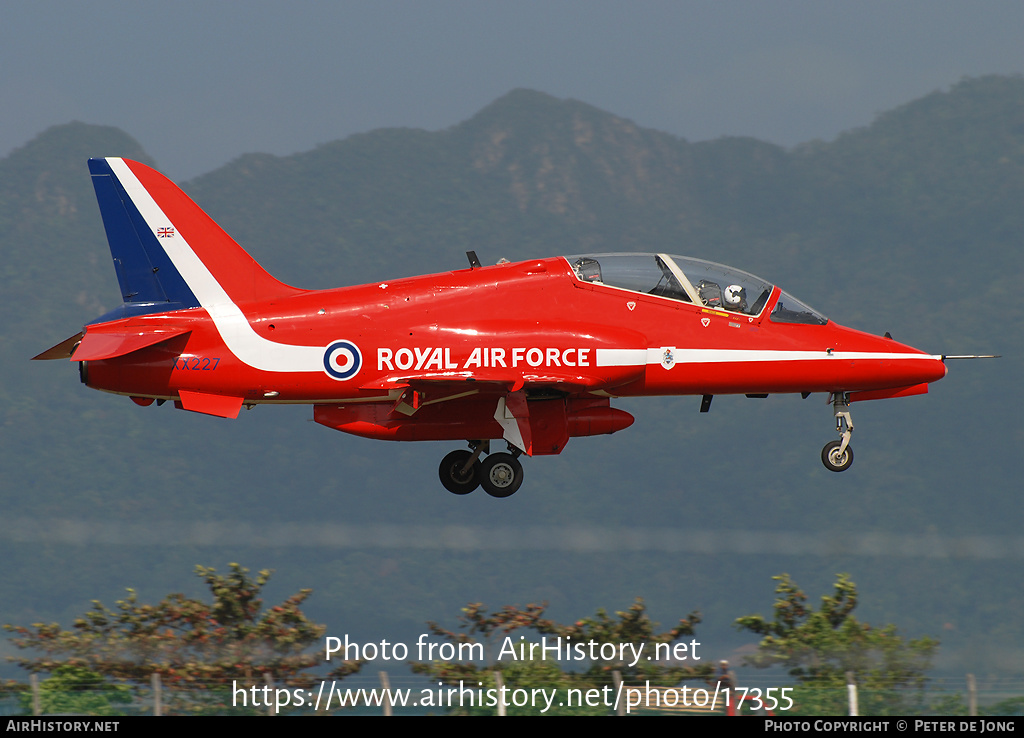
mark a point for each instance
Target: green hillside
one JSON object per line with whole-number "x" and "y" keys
{"x": 911, "y": 225}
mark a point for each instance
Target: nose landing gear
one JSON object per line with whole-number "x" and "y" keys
{"x": 500, "y": 474}
{"x": 837, "y": 456}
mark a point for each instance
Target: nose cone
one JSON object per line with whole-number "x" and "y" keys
{"x": 939, "y": 370}
{"x": 884, "y": 363}
{"x": 925, "y": 369}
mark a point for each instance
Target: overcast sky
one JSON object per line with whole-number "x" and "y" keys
{"x": 200, "y": 83}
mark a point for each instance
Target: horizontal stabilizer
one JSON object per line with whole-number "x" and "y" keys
{"x": 107, "y": 343}
{"x": 62, "y": 350}
{"x": 220, "y": 405}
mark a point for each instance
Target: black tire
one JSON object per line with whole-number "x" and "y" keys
{"x": 832, "y": 460}
{"x": 501, "y": 475}
{"x": 453, "y": 478}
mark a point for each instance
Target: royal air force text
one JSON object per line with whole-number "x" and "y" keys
{"x": 480, "y": 358}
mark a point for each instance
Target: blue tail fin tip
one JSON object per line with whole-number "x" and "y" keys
{"x": 148, "y": 279}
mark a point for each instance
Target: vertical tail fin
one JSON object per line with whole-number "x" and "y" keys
{"x": 167, "y": 252}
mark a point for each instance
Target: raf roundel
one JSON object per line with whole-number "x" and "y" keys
{"x": 342, "y": 360}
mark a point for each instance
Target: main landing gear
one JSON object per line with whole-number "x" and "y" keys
{"x": 837, "y": 456}
{"x": 500, "y": 474}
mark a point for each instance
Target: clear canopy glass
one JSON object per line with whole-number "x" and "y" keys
{"x": 692, "y": 280}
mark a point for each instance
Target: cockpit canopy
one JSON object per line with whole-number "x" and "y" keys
{"x": 692, "y": 280}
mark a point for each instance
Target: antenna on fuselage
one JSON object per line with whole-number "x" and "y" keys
{"x": 474, "y": 262}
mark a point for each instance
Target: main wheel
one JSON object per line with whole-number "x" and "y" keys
{"x": 833, "y": 460}
{"x": 454, "y": 479}
{"x": 501, "y": 475}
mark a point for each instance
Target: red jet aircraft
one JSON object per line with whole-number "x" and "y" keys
{"x": 529, "y": 352}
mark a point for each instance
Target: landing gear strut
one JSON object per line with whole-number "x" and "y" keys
{"x": 500, "y": 474}
{"x": 837, "y": 456}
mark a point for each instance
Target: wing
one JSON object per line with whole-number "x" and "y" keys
{"x": 498, "y": 380}
{"x": 536, "y": 413}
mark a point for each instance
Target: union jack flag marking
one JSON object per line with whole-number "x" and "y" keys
{"x": 164, "y": 232}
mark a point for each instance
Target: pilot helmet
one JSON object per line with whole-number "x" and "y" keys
{"x": 735, "y": 297}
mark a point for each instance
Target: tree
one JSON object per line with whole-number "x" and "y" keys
{"x": 191, "y": 644}
{"x": 76, "y": 690}
{"x": 632, "y": 626}
{"x": 476, "y": 622}
{"x": 820, "y": 647}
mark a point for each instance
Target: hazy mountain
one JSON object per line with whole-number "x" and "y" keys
{"x": 911, "y": 225}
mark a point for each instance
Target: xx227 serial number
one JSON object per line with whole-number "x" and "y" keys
{"x": 196, "y": 363}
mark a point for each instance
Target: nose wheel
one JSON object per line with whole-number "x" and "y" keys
{"x": 837, "y": 456}
{"x": 499, "y": 474}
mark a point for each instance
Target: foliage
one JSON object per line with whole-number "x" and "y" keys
{"x": 820, "y": 647}
{"x": 632, "y": 626}
{"x": 78, "y": 691}
{"x": 535, "y": 675}
{"x": 191, "y": 644}
{"x": 476, "y": 623}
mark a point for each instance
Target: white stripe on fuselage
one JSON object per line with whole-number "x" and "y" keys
{"x": 640, "y": 357}
{"x": 234, "y": 328}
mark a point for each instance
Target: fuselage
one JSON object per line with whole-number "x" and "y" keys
{"x": 535, "y": 321}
